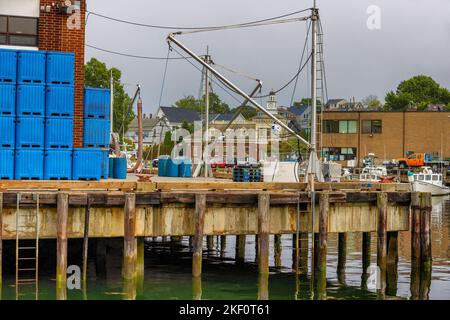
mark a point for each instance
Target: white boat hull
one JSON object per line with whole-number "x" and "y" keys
{"x": 420, "y": 186}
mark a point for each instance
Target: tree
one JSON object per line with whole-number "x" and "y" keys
{"x": 247, "y": 111}
{"x": 216, "y": 105}
{"x": 306, "y": 102}
{"x": 372, "y": 102}
{"x": 417, "y": 92}
{"x": 188, "y": 126}
{"x": 97, "y": 75}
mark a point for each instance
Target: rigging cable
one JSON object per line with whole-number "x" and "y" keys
{"x": 195, "y": 28}
{"x": 135, "y": 56}
{"x": 301, "y": 60}
{"x": 164, "y": 78}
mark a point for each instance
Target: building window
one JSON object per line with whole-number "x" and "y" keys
{"x": 340, "y": 126}
{"x": 339, "y": 154}
{"x": 18, "y": 31}
{"x": 372, "y": 126}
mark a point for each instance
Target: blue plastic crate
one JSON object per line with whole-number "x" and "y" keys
{"x": 97, "y": 103}
{"x": 30, "y": 132}
{"x": 105, "y": 164}
{"x": 87, "y": 164}
{"x": 8, "y": 66}
{"x": 6, "y": 164}
{"x": 7, "y": 99}
{"x": 7, "y": 132}
{"x": 30, "y": 100}
{"x": 57, "y": 164}
{"x": 96, "y": 133}
{"x": 29, "y": 164}
{"x": 58, "y": 133}
{"x": 31, "y": 67}
{"x": 59, "y": 101}
{"x": 60, "y": 68}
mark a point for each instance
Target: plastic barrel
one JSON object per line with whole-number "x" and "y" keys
{"x": 120, "y": 168}
{"x": 173, "y": 168}
{"x": 185, "y": 169}
{"x": 111, "y": 168}
{"x": 163, "y": 166}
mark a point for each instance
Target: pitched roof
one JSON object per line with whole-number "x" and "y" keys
{"x": 147, "y": 124}
{"x": 334, "y": 101}
{"x": 298, "y": 111}
{"x": 178, "y": 115}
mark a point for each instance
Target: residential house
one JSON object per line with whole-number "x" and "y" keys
{"x": 335, "y": 104}
{"x": 174, "y": 117}
{"x": 153, "y": 130}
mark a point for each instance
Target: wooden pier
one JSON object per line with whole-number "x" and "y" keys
{"x": 134, "y": 211}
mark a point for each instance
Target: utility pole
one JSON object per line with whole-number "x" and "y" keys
{"x": 205, "y": 157}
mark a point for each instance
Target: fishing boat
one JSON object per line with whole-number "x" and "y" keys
{"x": 429, "y": 181}
{"x": 372, "y": 174}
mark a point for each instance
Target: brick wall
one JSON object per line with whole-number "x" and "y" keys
{"x": 54, "y": 35}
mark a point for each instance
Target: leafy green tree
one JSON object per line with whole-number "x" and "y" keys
{"x": 372, "y": 102}
{"x": 417, "y": 92}
{"x": 247, "y": 111}
{"x": 97, "y": 75}
{"x": 188, "y": 126}
{"x": 305, "y": 102}
{"x": 216, "y": 105}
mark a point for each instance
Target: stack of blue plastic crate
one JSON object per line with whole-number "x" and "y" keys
{"x": 96, "y": 135}
{"x": 59, "y": 112}
{"x": 8, "y": 75}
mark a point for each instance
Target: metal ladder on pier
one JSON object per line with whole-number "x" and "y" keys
{"x": 27, "y": 250}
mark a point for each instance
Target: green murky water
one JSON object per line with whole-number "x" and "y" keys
{"x": 168, "y": 271}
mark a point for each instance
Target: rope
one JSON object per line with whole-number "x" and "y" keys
{"x": 132, "y": 55}
{"x": 236, "y": 72}
{"x": 164, "y": 78}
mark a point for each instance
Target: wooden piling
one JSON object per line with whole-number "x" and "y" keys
{"x": 425, "y": 230}
{"x": 382, "y": 203}
{"x": 197, "y": 288}
{"x": 277, "y": 250}
{"x": 256, "y": 248}
{"x": 304, "y": 248}
{"x": 324, "y": 205}
{"x": 200, "y": 208}
{"x": 263, "y": 232}
{"x": 210, "y": 244}
{"x": 61, "y": 244}
{"x": 100, "y": 258}
{"x": 415, "y": 227}
{"x": 263, "y": 286}
{"x": 366, "y": 257}
{"x": 129, "y": 270}
{"x": 240, "y": 249}
{"x": 392, "y": 264}
{"x": 86, "y": 239}
{"x": 223, "y": 246}
{"x": 342, "y": 256}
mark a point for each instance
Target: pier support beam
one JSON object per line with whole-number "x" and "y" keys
{"x": 129, "y": 270}
{"x": 140, "y": 276}
{"x": 324, "y": 205}
{"x": 342, "y": 256}
{"x": 425, "y": 246}
{"x": 382, "y": 203}
{"x": 86, "y": 240}
{"x": 61, "y": 245}
{"x": 277, "y": 250}
{"x": 200, "y": 208}
{"x": 415, "y": 245}
{"x": 366, "y": 257}
{"x": 263, "y": 232}
{"x": 223, "y": 246}
{"x": 392, "y": 263}
{"x": 240, "y": 249}
{"x": 210, "y": 244}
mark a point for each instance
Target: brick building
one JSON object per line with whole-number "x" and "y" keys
{"x": 48, "y": 25}
{"x": 352, "y": 135}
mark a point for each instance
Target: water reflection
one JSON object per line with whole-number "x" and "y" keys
{"x": 168, "y": 270}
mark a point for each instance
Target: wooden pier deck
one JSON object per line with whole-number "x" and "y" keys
{"x": 134, "y": 211}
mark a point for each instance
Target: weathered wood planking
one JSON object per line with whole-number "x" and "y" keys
{"x": 227, "y": 219}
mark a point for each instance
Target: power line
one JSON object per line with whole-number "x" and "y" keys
{"x": 194, "y": 28}
{"x": 132, "y": 55}
{"x": 290, "y": 81}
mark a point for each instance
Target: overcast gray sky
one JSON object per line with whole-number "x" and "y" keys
{"x": 414, "y": 39}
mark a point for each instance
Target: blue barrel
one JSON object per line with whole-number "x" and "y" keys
{"x": 173, "y": 168}
{"x": 163, "y": 166}
{"x": 111, "y": 168}
{"x": 120, "y": 168}
{"x": 185, "y": 169}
